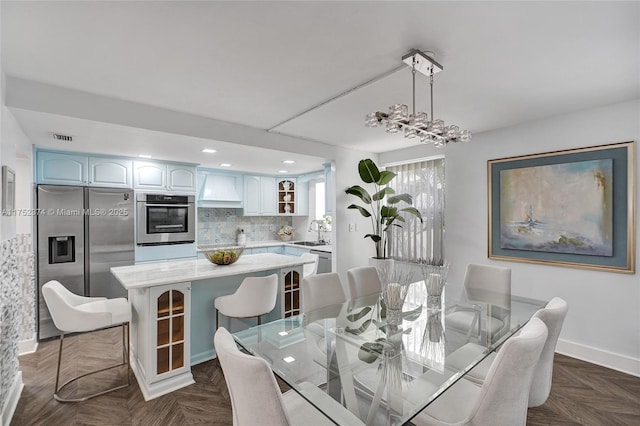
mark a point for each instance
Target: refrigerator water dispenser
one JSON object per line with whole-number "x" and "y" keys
{"x": 62, "y": 249}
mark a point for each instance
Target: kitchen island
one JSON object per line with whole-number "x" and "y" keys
{"x": 173, "y": 318}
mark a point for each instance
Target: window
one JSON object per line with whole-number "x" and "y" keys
{"x": 415, "y": 241}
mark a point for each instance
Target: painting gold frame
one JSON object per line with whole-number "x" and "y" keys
{"x": 622, "y": 256}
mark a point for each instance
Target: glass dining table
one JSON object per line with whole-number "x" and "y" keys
{"x": 361, "y": 363}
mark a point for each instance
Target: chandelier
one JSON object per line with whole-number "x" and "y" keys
{"x": 418, "y": 125}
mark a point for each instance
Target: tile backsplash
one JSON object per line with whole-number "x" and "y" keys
{"x": 220, "y": 226}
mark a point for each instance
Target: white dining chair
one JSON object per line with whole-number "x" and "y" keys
{"x": 322, "y": 290}
{"x": 553, "y": 315}
{"x": 363, "y": 281}
{"x": 255, "y": 297}
{"x": 256, "y": 398}
{"x": 502, "y": 399}
{"x": 78, "y": 314}
{"x": 309, "y": 269}
{"x": 490, "y": 285}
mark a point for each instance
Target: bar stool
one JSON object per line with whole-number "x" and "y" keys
{"x": 256, "y": 296}
{"x": 77, "y": 314}
{"x": 309, "y": 269}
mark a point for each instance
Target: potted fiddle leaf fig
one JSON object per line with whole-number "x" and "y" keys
{"x": 382, "y": 206}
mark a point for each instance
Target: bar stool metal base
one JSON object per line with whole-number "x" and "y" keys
{"x": 259, "y": 317}
{"x": 125, "y": 361}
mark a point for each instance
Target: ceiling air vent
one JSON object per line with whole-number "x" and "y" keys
{"x": 61, "y": 137}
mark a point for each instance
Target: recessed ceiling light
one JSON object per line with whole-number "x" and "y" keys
{"x": 144, "y": 156}
{"x": 288, "y": 161}
{"x": 288, "y": 359}
{"x": 283, "y": 333}
{"x": 283, "y": 171}
{"x": 208, "y": 150}
{"x": 225, "y": 165}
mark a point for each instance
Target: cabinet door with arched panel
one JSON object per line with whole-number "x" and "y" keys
{"x": 292, "y": 281}
{"x": 170, "y": 327}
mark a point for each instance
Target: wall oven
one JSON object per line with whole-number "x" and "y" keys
{"x": 165, "y": 219}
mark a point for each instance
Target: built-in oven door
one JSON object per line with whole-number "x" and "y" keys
{"x": 166, "y": 222}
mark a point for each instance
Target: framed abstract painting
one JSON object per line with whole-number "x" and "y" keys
{"x": 567, "y": 208}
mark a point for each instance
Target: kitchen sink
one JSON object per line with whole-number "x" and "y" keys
{"x": 309, "y": 243}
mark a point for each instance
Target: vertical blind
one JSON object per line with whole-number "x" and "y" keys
{"x": 415, "y": 241}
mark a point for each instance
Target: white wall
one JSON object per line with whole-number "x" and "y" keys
{"x": 350, "y": 248}
{"x": 603, "y": 323}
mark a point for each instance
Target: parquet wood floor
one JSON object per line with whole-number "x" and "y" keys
{"x": 582, "y": 393}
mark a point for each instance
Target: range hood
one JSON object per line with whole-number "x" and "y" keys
{"x": 221, "y": 190}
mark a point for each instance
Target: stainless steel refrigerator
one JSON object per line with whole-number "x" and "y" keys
{"x": 82, "y": 232}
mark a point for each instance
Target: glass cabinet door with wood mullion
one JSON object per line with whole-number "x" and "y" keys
{"x": 286, "y": 196}
{"x": 291, "y": 295}
{"x": 171, "y": 330}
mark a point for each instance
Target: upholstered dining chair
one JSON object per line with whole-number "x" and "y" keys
{"x": 256, "y": 398}
{"x": 255, "y": 297}
{"x": 553, "y": 315}
{"x": 485, "y": 284}
{"x": 78, "y": 314}
{"x": 502, "y": 399}
{"x": 363, "y": 281}
{"x": 309, "y": 269}
{"x": 322, "y": 290}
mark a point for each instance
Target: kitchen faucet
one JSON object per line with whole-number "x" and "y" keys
{"x": 319, "y": 227}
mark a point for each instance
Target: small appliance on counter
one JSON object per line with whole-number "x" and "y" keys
{"x": 242, "y": 237}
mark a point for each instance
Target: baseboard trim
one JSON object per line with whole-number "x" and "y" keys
{"x": 12, "y": 399}
{"x": 600, "y": 357}
{"x": 28, "y": 346}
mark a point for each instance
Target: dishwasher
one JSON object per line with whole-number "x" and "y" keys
{"x": 324, "y": 261}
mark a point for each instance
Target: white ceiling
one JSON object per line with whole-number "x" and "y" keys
{"x": 260, "y": 63}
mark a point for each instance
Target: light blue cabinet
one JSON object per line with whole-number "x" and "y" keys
{"x": 158, "y": 176}
{"x": 276, "y": 249}
{"x": 181, "y": 178}
{"x": 257, "y": 250}
{"x": 111, "y": 172}
{"x": 149, "y": 175}
{"x": 295, "y": 251}
{"x": 259, "y": 196}
{"x": 61, "y": 168}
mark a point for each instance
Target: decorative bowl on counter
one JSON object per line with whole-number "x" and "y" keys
{"x": 222, "y": 254}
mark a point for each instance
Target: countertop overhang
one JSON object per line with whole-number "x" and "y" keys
{"x": 171, "y": 272}
{"x": 271, "y": 243}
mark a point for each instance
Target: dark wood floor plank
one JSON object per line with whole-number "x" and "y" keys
{"x": 582, "y": 393}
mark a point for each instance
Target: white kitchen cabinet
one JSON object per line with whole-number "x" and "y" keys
{"x": 159, "y": 176}
{"x": 110, "y": 172}
{"x": 259, "y": 196}
{"x": 161, "y": 337}
{"x": 61, "y": 168}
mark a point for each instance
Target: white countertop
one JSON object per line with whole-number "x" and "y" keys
{"x": 271, "y": 243}
{"x": 171, "y": 272}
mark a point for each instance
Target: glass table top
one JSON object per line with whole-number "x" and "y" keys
{"x": 381, "y": 365}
